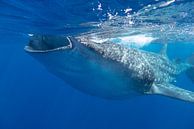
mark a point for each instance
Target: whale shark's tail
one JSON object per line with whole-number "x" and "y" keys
{"x": 190, "y": 71}
{"x": 172, "y": 91}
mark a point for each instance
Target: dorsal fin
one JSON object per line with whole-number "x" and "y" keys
{"x": 163, "y": 50}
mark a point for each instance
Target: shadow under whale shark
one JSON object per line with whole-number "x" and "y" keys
{"x": 109, "y": 70}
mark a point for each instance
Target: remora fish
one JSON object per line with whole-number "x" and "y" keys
{"x": 109, "y": 70}
{"x": 190, "y": 72}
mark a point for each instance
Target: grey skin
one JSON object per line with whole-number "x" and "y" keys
{"x": 109, "y": 70}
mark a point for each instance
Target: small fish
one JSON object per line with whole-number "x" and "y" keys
{"x": 190, "y": 71}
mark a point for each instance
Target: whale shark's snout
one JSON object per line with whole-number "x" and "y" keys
{"x": 47, "y": 43}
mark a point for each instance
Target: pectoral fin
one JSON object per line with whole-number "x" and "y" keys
{"x": 172, "y": 91}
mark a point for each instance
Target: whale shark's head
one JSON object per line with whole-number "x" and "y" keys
{"x": 46, "y": 43}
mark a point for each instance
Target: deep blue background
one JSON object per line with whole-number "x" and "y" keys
{"x": 32, "y": 98}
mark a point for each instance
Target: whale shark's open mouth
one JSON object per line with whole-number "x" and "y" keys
{"x": 48, "y": 43}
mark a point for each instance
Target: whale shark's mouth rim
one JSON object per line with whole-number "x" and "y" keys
{"x": 61, "y": 48}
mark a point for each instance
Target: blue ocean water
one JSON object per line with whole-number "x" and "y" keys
{"x": 33, "y": 98}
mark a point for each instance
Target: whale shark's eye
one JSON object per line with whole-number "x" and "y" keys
{"x": 45, "y": 43}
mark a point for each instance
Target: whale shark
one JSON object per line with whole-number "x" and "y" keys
{"x": 109, "y": 70}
